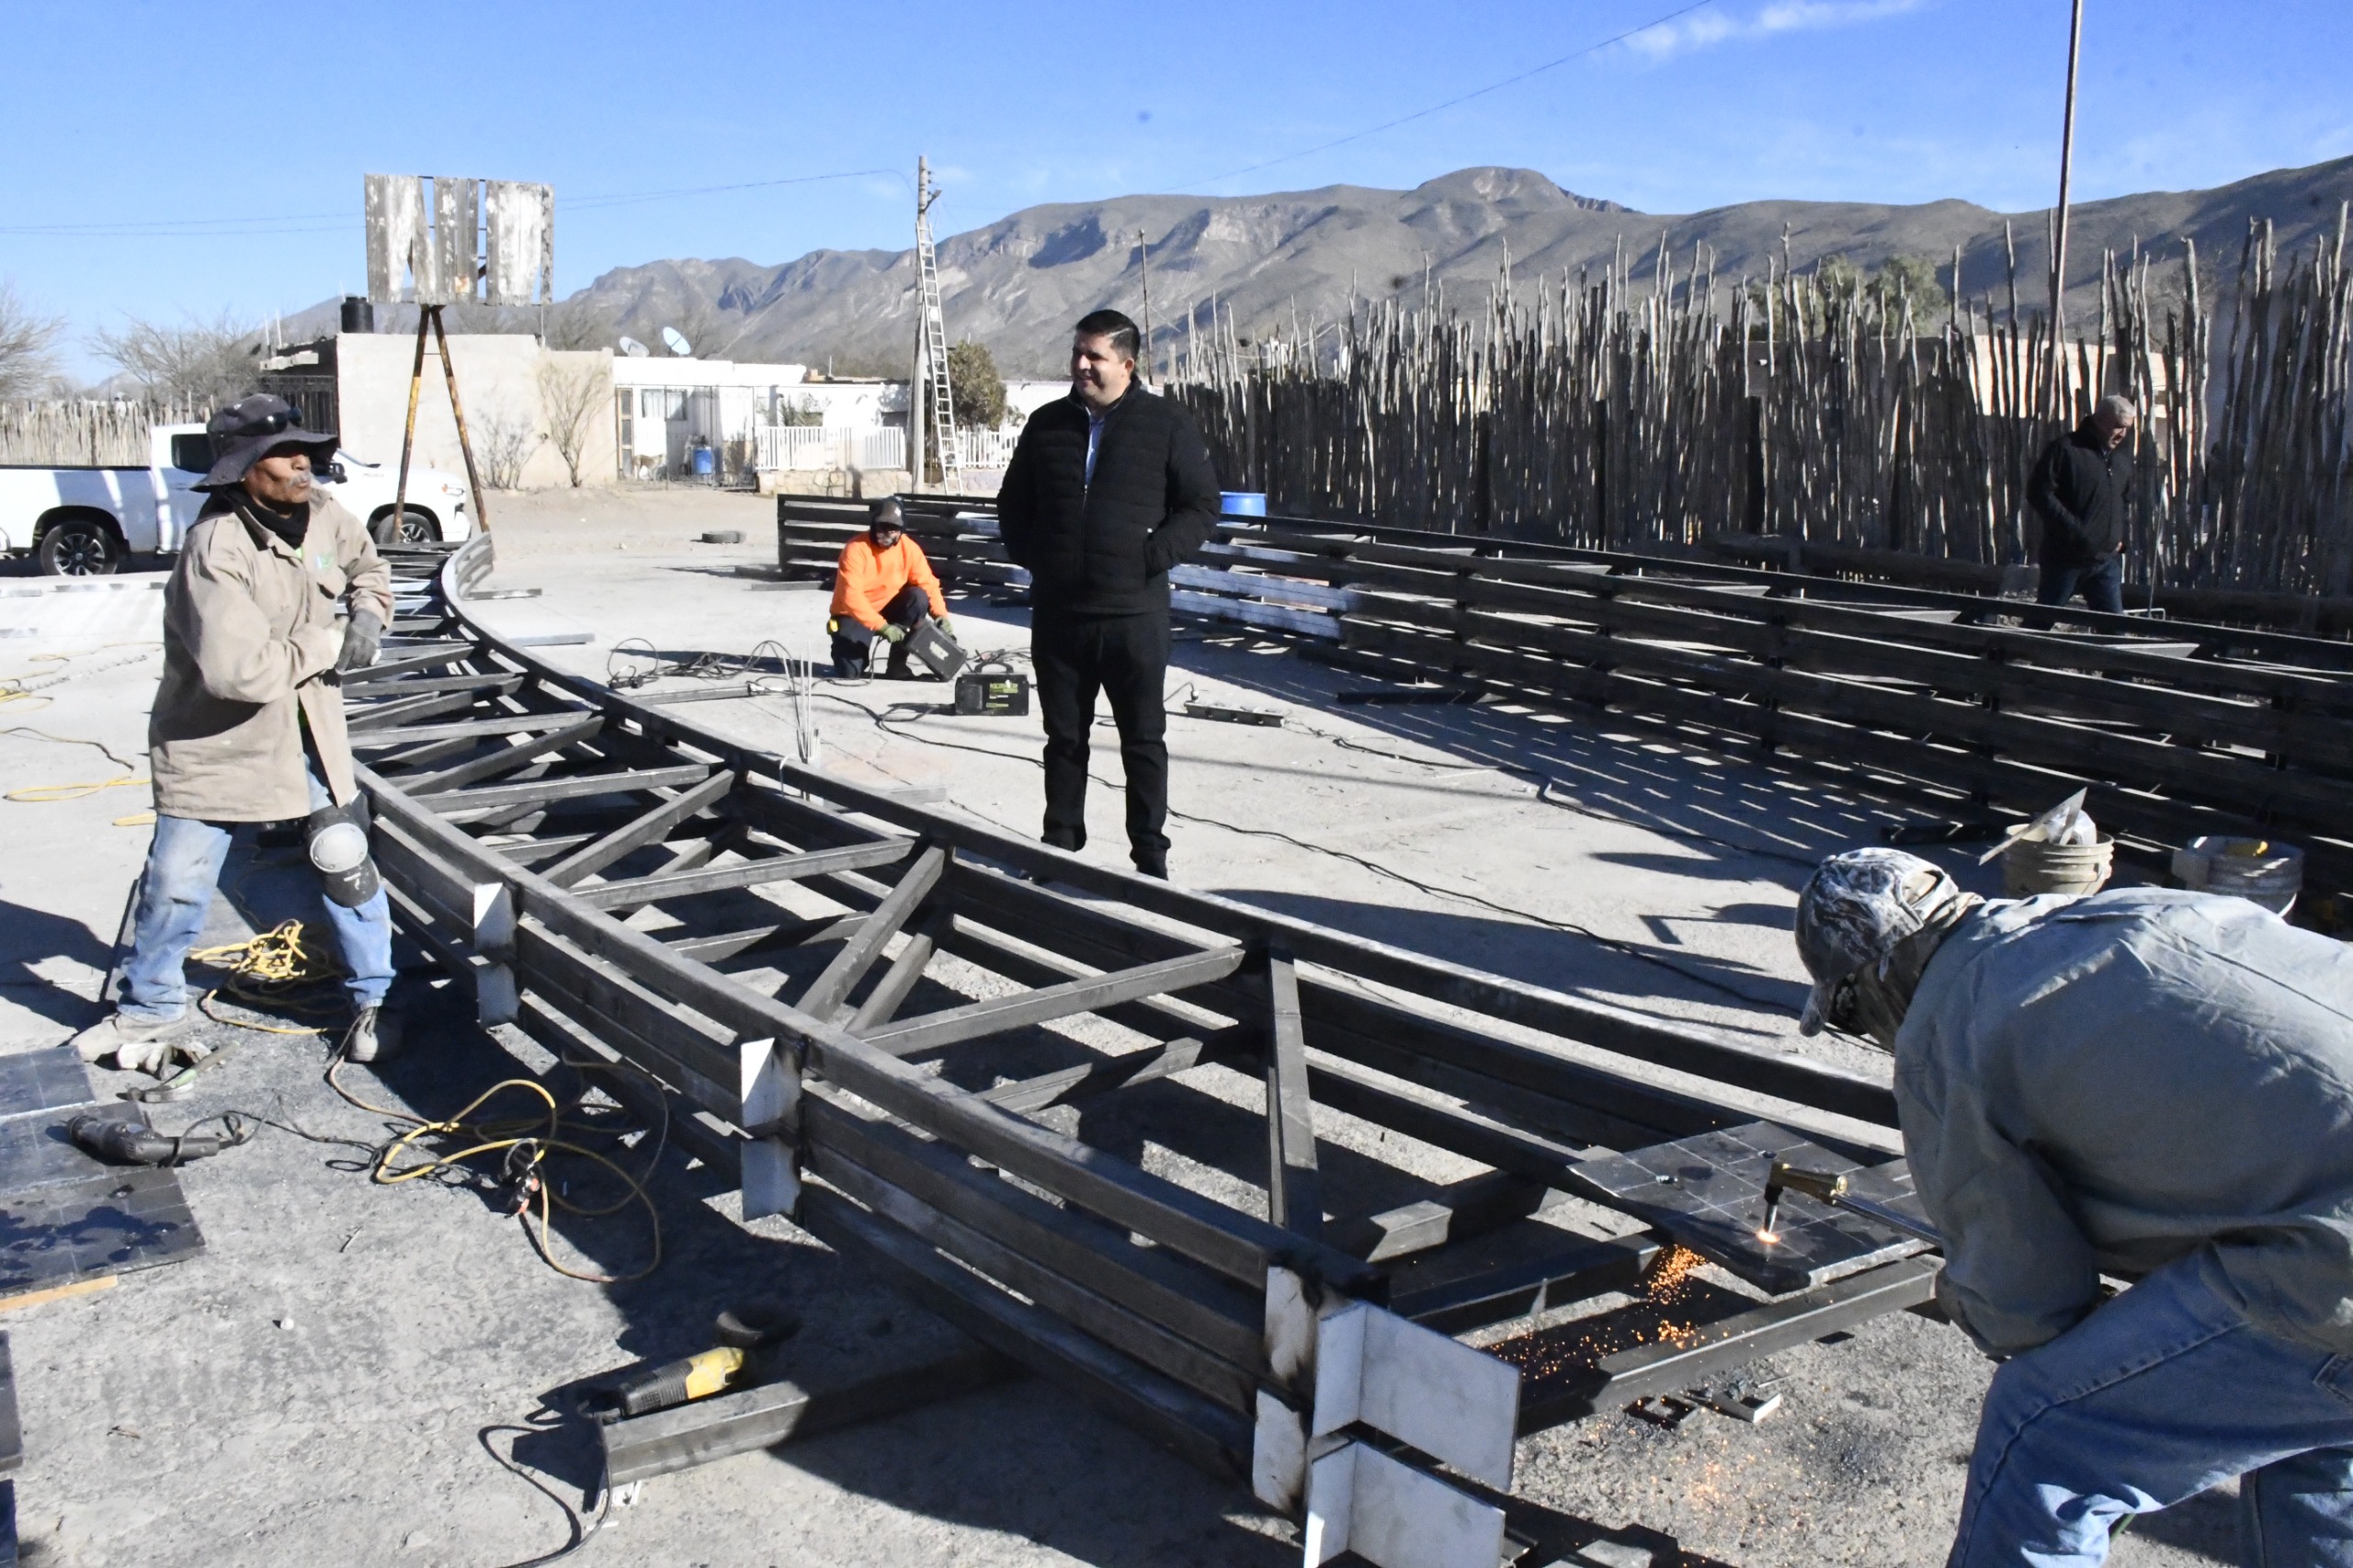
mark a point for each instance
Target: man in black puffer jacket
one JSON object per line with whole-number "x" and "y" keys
{"x": 2078, "y": 491}
{"x": 1107, "y": 490}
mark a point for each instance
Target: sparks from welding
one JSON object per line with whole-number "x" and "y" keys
{"x": 1771, "y": 1238}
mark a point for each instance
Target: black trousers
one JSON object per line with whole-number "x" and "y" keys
{"x": 854, "y": 644}
{"x": 1125, "y": 657}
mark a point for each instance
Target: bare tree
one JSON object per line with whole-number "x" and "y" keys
{"x": 570, "y": 395}
{"x": 196, "y": 361}
{"x": 577, "y": 324}
{"x": 27, "y": 346}
{"x": 509, "y": 440}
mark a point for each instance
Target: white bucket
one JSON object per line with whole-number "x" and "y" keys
{"x": 2263, "y": 872}
{"x": 2032, "y": 866}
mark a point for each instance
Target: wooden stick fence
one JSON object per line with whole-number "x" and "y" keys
{"x": 1652, "y": 407}
{"x": 87, "y": 432}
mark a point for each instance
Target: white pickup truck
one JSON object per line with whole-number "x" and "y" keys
{"x": 85, "y": 522}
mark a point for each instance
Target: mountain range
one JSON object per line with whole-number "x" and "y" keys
{"x": 1016, "y": 285}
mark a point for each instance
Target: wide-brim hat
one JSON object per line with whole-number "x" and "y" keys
{"x": 252, "y": 428}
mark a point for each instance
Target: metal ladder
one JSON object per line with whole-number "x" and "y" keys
{"x": 935, "y": 339}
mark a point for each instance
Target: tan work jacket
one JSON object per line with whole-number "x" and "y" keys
{"x": 250, "y": 642}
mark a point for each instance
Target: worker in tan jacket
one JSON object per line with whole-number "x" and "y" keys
{"x": 248, "y": 725}
{"x": 884, "y": 587}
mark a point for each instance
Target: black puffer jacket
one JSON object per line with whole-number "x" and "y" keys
{"x": 2078, "y": 491}
{"x": 1106, "y": 548}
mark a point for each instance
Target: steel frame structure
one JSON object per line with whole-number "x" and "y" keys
{"x": 582, "y": 861}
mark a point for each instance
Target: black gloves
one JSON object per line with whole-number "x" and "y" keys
{"x": 359, "y": 640}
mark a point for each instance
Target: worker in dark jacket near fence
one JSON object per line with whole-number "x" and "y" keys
{"x": 1107, "y": 490}
{"x": 2078, "y": 490}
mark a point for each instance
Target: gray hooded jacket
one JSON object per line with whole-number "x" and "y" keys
{"x": 2102, "y": 1084}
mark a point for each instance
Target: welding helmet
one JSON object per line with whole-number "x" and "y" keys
{"x": 1856, "y": 910}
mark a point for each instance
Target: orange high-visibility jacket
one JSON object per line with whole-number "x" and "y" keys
{"x": 866, "y": 579}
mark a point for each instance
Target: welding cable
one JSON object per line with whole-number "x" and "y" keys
{"x": 1629, "y": 949}
{"x": 42, "y": 794}
{"x": 523, "y": 1146}
{"x": 697, "y": 666}
{"x": 580, "y": 1531}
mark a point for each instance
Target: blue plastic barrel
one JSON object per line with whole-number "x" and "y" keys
{"x": 1243, "y": 503}
{"x": 706, "y": 461}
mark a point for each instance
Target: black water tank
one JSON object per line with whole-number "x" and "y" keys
{"x": 359, "y": 315}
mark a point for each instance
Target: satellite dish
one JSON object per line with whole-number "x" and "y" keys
{"x": 633, "y": 348}
{"x": 675, "y": 341}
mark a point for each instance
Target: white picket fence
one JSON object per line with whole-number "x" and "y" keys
{"x": 873, "y": 447}
{"x": 819, "y": 447}
{"x": 986, "y": 449}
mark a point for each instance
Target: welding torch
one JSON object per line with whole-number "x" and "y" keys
{"x": 1832, "y": 1188}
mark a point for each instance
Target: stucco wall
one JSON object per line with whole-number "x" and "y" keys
{"x": 498, "y": 377}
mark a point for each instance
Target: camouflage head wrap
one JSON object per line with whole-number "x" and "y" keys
{"x": 1858, "y": 908}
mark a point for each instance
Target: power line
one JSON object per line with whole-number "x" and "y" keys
{"x": 1463, "y": 99}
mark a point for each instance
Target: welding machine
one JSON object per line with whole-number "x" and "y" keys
{"x": 993, "y": 687}
{"x": 940, "y": 653}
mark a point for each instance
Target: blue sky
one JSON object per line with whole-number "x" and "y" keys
{"x": 221, "y": 150}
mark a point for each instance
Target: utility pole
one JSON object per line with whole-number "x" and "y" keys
{"x": 921, "y": 375}
{"x": 1144, "y": 260}
{"x": 2059, "y": 233}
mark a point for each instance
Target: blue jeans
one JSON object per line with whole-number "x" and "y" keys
{"x": 183, "y": 870}
{"x": 2101, "y": 583}
{"x": 2158, "y": 1396}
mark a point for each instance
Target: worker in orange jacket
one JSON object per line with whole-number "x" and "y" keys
{"x": 882, "y": 587}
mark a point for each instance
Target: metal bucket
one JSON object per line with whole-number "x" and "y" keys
{"x": 2262, "y": 871}
{"x": 2034, "y": 867}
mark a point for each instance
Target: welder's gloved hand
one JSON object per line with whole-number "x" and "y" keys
{"x": 360, "y": 639}
{"x": 947, "y": 626}
{"x": 894, "y": 634}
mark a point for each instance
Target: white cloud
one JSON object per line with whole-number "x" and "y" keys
{"x": 1719, "y": 24}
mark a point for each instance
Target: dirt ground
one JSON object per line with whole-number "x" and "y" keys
{"x": 368, "y": 1374}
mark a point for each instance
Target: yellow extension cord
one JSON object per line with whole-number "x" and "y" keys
{"x": 13, "y": 690}
{"x": 264, "y": 971}
{"x": 500, "y": 1137}
{"x": 267, "y": 968}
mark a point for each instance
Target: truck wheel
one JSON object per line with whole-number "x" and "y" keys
{"x": 416, "y": 528}
{"x": 80, "y": 549}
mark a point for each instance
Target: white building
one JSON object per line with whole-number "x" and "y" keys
{"x": 747, "y": 416}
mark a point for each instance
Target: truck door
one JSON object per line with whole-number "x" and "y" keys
{"x": 188, "y": 461}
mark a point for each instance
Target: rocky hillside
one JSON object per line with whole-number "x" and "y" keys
{"x": 1016, "y": 284}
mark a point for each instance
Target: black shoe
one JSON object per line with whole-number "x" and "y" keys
{"x": 1153, "y": 868}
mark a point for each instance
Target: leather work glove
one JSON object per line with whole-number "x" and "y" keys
{"x": 360, "y": 638}
{"x": 159, "y": 1058}
{"x": 894, "y": 634}
{"x": 947, "y": 628}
